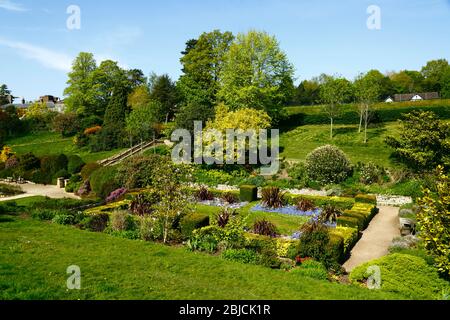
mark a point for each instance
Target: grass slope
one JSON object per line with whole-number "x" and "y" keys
{"x": 45, "y": 143}
{"x": 297, "y": 143}
{"x": 34, "y": 257}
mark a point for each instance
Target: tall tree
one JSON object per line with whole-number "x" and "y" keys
{"x": 164, "y": 91}
{"x": 307, "y": 93}
{"x": 4, "y": 93}
{"x": 202, "y": 64}
{"x": 433, "y": 72}
{"x": 367, "y": 92}
{"x": 423, "y": 142}
{"x": 256, "y": 74}
{"x": 140, "y": 122}
{"x": 79, "y": 90}
{"x": 140, "y": 96}
{"x": 333, "y": 93}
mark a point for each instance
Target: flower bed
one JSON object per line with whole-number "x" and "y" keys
{"x": 217, "y": 202}
{"x": 289, "y": 210}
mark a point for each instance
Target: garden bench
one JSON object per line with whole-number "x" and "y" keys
{"x": 407, "y": 227}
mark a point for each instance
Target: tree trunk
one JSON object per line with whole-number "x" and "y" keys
{"x": 360, "y": 120}
{"x": 366, "y": 122}
{"x": 331, "y": 129}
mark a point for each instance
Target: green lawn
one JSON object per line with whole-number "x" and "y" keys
{"x": 286, "y": 224}
{"x": 34, "y": 257}
{"x": 297, "y": 143}
{"x": 45, "y": 143}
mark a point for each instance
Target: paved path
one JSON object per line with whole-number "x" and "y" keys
{"x": 32, "y": 190}
{"x": 376, "y": 238}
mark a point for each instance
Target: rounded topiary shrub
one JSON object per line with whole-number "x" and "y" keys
{"x": 88, "y": 169}
{"x": 75, "y": 164}
{"x": 328, "y": 164}
{"x": 104, "y": 181}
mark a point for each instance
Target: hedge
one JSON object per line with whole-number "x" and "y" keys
{"x": 364, "y": 198}
{"x": 322, "y": 201}
{"x": 336, "y": 247}
{"x": 192, "y": 222}
{"x": 350, "y": 236}
{"x": 248, "y": 193}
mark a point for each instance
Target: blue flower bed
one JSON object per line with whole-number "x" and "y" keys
{"x": 289, "y": 210}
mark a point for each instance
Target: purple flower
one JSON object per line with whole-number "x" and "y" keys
{"x": 116, "y": 195}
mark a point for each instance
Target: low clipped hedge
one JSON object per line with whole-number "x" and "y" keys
{"x": 336, "y": 247}
{"x": 248, "y": 193}
{"x": 365, "y": 198}
{"x": 350, "y": 237}
{"x": 358, "y": 217}
{"x": 192, "y": 222}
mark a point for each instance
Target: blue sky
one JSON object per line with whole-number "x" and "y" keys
{"x": 36, "y": 48}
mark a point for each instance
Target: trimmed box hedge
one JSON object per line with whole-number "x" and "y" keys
{"x": 248, "y": 193}
{"x": 364, "y": 198}
{"x": 192, "y": 222}
{"x": 349, "y": 222}
{"x": 321, "y": 201}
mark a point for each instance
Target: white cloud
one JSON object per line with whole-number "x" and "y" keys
{"x": 12, "y": 6}
{"x": 47, "y": 58}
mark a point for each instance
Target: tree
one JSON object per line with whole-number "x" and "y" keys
{"x": 243, "y": 119}
{"x": 367, "y": 91}
{"x": 434, "y": 221}
{"x": 445, "y": 84}
{"x": 140, "y": 122}
{"x": 423, "y": 143}
{"x": 193, "y": 112}
{"x": 139, "y": 97}
{"x": 407, "y": 81}
{"x": 433, "y": 74}
{"x": 164, "y": 91}
{"x": 202, "y": 63}
{"x": 66, "y": 124}
{"x": 333, "y": 92}
{"x": 4, "y": 93}
{"x": 79, "y": 90}
{"x": 307, "y": 93}
{"x": 256, "y": 74}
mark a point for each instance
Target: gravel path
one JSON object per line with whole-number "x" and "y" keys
{"x": 32, "y": 190}
{"x": 376, "y": 238}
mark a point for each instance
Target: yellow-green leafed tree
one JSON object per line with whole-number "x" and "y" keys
{"x": 243, "y": 119}
{"x": 37, "y": 109}
{"x": 434, "y": 221}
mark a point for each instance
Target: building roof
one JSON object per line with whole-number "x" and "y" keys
{"x": 409, "y": 96}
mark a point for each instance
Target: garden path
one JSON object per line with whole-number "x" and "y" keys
{"x": 376, "y": 238}
{"x": 31, "y": 190}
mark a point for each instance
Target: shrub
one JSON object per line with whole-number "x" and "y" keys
{"x": 265, "y": 228}
{"x": 329, "y": 214}
{"x": 229, "y": 198}
{"x": 8, "y": 190}
{"x": 192, "y": 222}
{"x": 147, "y": 228}
{"x": 286, "y": 248}
{"x": 85, "y": 189}
{"x": 92, "y": 130}
{"x": 327, "y": 165}
{"x": 248, "y": 193}
{"x": 224, "y": 217}
{"x": 75, "y": 164}
{"x": 44, "y": 214}
{"x": 12, "y": 163}
{"x": 142, "y": 203}
{"x": 95, "y": 223}
{"x": 104, "y": 181}
{"x": 364, "y": 198}
{"x": 121, "y": 220}
{"x": 62, "y": 174}
{"x": 298, "y": 173}
{"x": 116, "y": 195}
{"x": 68, "y": 218}
{"x": 273, "y": 197}
{"x": 305, "y": 205}
{"x": 240, "y": 255}
{"x": 407, "y": 275}
{"x": 141, "y": 171}
{"x": 370, "y": 173}
{"x": 204, "y": 194}
{"x": 74, "y": 183}
{"x": 88, "y": 169}
{"x": 206, "y": 239}
{"x": 350, "y": 237}
{"x": 316, "y": 243}
{"x": 312, "y": 269}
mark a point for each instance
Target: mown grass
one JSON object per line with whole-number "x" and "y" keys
{"x": 297, "y": 143}
{"x": 47, "y": 143}
{"x": 34, "y": 257}
{"x": 286, "y": 224}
